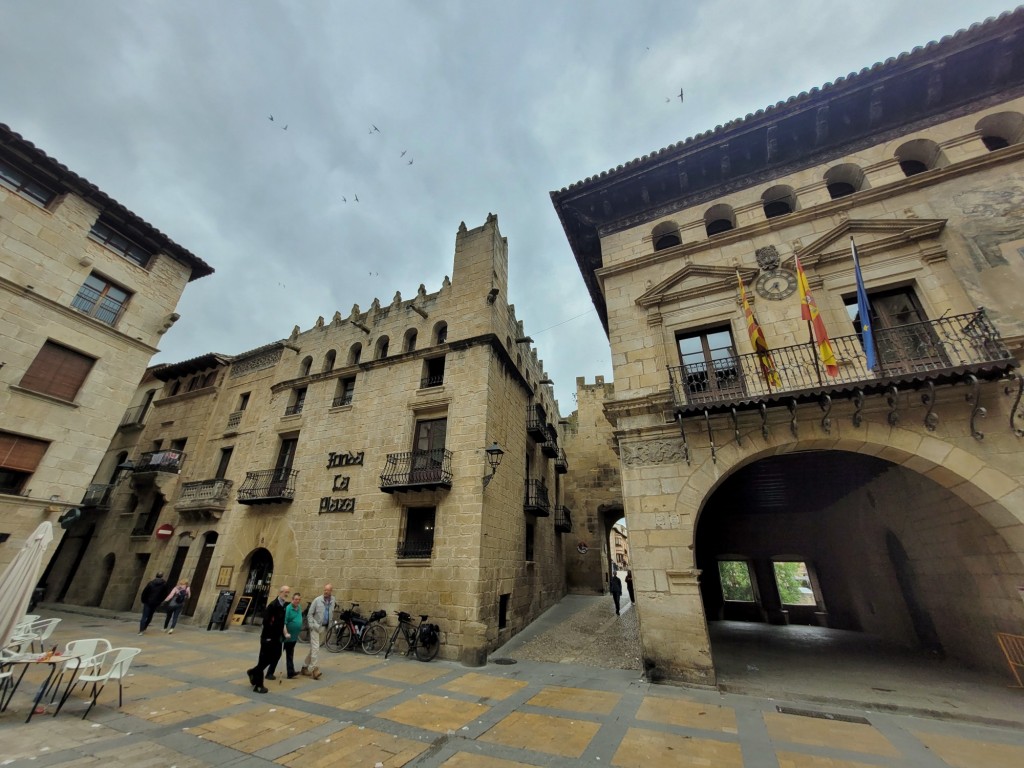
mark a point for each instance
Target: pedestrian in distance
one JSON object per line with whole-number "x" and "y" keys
{"x": 152, "y": 595}
{"x": 629, "y": 586}
{"x": 175, "y": 603}
{"x": 319, "y": 618}
{"x": 293, "y": 625}
{"x": 272, "y": 635}
{"x": 615, "y": 587}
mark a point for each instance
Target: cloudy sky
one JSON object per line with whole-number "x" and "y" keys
{"x": 165, "y": 106}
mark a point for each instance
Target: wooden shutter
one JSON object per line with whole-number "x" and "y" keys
{"x": 21, "y": 454}
{"x": 57, "y": 371}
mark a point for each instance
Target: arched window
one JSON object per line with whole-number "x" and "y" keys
{"x": 329, "y": 361}
{"x": 175, "y": 387}
{"x": 382, "y": 348}
{"x": 719, "y": 218}
{"x": 304, "y": 367}
{"x": 210, "y": 379}
{"x": 354, "y": 353}
{"x": 410, "y": 340}
{"x": 843, "y": 180}
{"x": 778, "y": 201}
{"x": 665, "y": 235}
{"x": 918, "y": 156}
{"x": 1001, "y": 130}
{"x": 441, "y": 333}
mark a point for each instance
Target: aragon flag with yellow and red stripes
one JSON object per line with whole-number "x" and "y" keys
{"x": 759, "y": 342}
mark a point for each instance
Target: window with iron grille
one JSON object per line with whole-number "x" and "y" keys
{"x": 433, "y": 372}
{"x": 101, "y": 299}
{"x": 19, "y": 457}
{"x": 709, "y": 361}
{"x": 21, "y": 182}
{"x": 106, "y": 235}
{"x": 343, "y": 394}
{"x": 418, "y": 538}
{"x": 298, "y": 400}
{"x": 57, "y": 371}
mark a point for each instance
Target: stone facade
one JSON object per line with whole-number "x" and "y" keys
{"x": 364, "y": 498}
{"x": 52, "y": 258}
{"x": 899, "y": 488}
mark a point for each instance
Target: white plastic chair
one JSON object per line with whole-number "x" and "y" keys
{"x": 86, "y": 651}
{"x": 109, "y": 665}
{"x": 38, "y": 631}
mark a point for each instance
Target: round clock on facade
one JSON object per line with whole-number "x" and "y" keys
{"x": 775, "y": 284}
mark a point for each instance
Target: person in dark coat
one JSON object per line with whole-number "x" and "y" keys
{"x": 629, "y": 586}
{"x": 272, "y": 637}
{"x": 615, "y": 587}
{"x": 152, "y": 595}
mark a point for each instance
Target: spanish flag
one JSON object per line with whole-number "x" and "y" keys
{"x": 809, "y": 312}
{"x": 760, "y": 344}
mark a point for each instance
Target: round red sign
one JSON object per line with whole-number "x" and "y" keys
{"x": 165, "y": 531}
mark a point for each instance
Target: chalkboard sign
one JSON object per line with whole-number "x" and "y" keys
{"x": 241, "y": 609}
{"x": 221, "y": 610}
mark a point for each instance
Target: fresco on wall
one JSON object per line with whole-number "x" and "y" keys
{"x": 995, "y": 216}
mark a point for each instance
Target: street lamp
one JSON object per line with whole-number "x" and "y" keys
{"x": 494, "y": 454}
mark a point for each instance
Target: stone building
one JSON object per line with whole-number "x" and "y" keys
{"x": 785, "y": 486}
{"x": 353, "y": 452}
{"x": 86, "y": 290}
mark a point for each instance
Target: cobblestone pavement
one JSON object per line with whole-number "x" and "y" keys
{"x": 187, "y": 705}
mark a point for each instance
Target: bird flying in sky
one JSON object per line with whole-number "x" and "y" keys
{"x": 357, "y": 198}
{"x": 680, "y": 95}
{"x": 410, "y": 161}
{"x": 374, "y": 128}
{"x": 403, "y": 153}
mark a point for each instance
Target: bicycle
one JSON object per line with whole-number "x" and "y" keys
{"x": 423, "y": 640}
{"x": 351, "y": 628}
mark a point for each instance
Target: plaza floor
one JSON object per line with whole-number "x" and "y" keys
{"x": 187, "y": 703}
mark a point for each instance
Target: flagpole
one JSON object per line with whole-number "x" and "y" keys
{"x": 814, "y": 346}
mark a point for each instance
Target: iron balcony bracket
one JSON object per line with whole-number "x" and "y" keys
{"x": 682, "y": 432}
{"x": 735, "y": 425}
{"x": 891, "y": 397}
{"x": 711, "y": 436}
{"x": 825, "y": 402}
{"x": 931, "y": 419}
{"x": 974, "y": 398}
{"x": 792, "y": 418}
{"x": 1015, "y": 377}
{"x": 858, "y": 401}
{"x": 764, "y": 417}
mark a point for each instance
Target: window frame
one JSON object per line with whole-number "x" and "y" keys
{"x": 23, "y": 186}
{"x": 751, "y": 580}
{"x": 344, "y": 392}
{"x": 424, "y": 544}
{"x": 712, "y": 381}
{"x": 106, "y": 234}
{"x": 96, "y": 306}
{"x": 20, "y": 456}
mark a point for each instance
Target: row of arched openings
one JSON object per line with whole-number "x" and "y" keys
{"x": 381, "y": 349}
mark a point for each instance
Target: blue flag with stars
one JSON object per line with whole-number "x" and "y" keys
{"x": 864, "y": 311}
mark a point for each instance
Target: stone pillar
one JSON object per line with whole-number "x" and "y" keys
{"x": 474, "y": 644}
{"x": 771, "y": 602}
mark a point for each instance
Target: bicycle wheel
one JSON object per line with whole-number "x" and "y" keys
{"x": 393, "y": 642}
{"x": 338, "y": 638}
{"x": 375, "y": 637}
{"x": 427, "y": 651}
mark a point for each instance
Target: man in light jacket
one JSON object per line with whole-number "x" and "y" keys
{"x": 319, "y": 619}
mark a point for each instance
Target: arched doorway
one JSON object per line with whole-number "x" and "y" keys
{"x": 101, "y": 586}
{"x": 257, "y": 584}
{"x": 848, "y": 542}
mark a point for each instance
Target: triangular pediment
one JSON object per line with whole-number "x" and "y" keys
{"x": 694, "y": 281}
{"x": 871, "y": 236}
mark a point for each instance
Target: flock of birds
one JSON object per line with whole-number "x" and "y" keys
{"x": 372, "y": 130}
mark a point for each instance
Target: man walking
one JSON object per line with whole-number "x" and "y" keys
{"x": 319, "y": 618}
{"x": 152, "y": 595}
{"x": 615, "y": 587}
{"x": 272, "y": 635}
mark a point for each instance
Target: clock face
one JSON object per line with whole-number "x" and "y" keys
{"x": 775, "y": 284}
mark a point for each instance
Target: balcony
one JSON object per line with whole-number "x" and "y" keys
{"x": 268, "y": 486}
{"x": 415, "y": 549}
{"x": 204, "y": 498}
{"x": 550, "y": 446}
{"x": 941, "y": 351}
{"x": 417, "y": 471}
{"x": 133, "y": 417}
{"x": 152, "y": 465}
{"x": 536, "y": 422}
{"x": 293, "y": 410}
{"x": 536, "y": 499}
{"x": 561, "y": 463}
{"x": 432, "y": 380}
{"x": 234, "y": 420}
{"x": 97, "y": 496}
{"x": 563, "y": 520}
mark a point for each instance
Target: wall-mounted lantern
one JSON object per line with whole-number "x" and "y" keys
{"x": 494, "y": 454}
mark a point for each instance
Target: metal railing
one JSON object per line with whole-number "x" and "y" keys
{"x": 133, "y": 416}
{"x": 563, "y": 519}
{"x": 268, "y": 486}
{"x": 204, "y": 494}
{"x": 433, "y": 380}
{"x": 97, "y": 495}
{"x": 415, "y": 548}
{"x": 292, "y": 410}
{"x": 536, "y": 422}
{"x": 536, "y": 498}
{"x": 345, "y": 399}
{"x": 930, "y": 347}
{"x": 561, "y": 463}
{"x": 234, "y": 419}
{"x": 417, "y": 469}
{"x": 169, "y": 460}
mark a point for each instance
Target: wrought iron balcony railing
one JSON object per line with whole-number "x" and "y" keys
{"x": 536, "y": 499}
{"x": 563, "y": 520}
{"x": 345, "y": 399}
{"x": 942, "y": 349}
{"x": 550, "y": 446}
{"x": 133, "y": 416}
{"x": 417, "y": 471}
{"x": 561, "y": 463}
{"x": 169, "y": 460}
{"x": 234, "y": 419}
{"x": 97, "y": 496}
{"x": 536, "y": 422}
{"x": 294, "y": 409}
{"x": 415, "y": 548}
{"x": 268, "y": 486}
{"x": 433, "y": 380}
{"x": 204, "y": 495}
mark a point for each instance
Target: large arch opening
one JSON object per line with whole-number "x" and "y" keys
{"x": 832, "y": 554}
{"x": 257, "y": 583}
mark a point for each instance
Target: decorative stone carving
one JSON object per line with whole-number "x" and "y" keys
{"x": 654, "y": 452}
{"x": 768, "y": 258}
{"x": 256, "y": 363}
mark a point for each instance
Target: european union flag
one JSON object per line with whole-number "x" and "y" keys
{"x": 864, "y": 311}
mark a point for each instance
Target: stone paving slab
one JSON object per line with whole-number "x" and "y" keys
{"x": 189, "y": 705}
